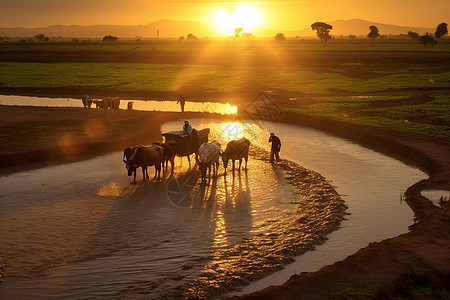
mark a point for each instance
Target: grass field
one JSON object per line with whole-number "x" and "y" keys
{"x": 207, "y": 78}
{"x": 430, "y": 115}
{"x": 409, "y": 82}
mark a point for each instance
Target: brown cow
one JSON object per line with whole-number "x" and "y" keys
{"x": 143, "y": 157}
{"x": 170, "y": 150}
{"x": 236, "y": 150}
{"x": 87, "y": 101}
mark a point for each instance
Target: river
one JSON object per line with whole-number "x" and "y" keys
{"x": 84, "y": 230}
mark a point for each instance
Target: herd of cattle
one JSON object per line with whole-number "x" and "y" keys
{"x": 105, "y": 103}
{"x": 207, "y": 157}
{"x": 159, "y": 154}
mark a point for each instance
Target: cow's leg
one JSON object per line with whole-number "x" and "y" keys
{"x": 246, "y": 160}
{"x": 172, "y": 162}
{"x": 143, "y": 172}
{"x": 240, "y": 163}
{"x": 189, "y": 160}
{"x": 134, "y": 175}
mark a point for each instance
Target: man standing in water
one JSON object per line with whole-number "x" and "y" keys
{"x": 182, "y": 102}
{"x": 276, "y": 146}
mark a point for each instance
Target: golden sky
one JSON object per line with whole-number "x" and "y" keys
{"x": 282, "y": 15}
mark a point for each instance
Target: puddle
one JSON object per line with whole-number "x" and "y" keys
{"x": 435, "y": 196}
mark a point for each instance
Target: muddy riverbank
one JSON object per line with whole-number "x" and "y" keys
{"x": 418, "y": 259}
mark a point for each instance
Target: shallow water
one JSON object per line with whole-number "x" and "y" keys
{"x": 436, "y": 195}
{"x": 144, "y": 105}
{"x": 82, "y": 230}
{"x": 372, "y": 186}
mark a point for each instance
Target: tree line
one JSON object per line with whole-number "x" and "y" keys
{"x": 323, "y": 33}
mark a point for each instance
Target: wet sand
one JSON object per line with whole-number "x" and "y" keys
{"x": 393, "y": 267}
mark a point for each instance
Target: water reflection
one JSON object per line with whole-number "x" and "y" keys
{"x": 142, "y": 105}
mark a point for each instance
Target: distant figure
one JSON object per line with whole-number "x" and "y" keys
{"x": 276, "y": 146}
{"x": 182, "y": 102}
{"x": 130, "y": 105}
{"x": 187, "y": 128}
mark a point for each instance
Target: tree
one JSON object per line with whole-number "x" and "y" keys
{"x": 110, "y": 38}
{"x": 180, "y": 39}
{"x": 237, "y": 32}
{"x": 441, "y": 30}
{"x": 352, "y": 36}
{"x": 322, "y": 31}
{"x": 280, "y": 37}
{"x": 413, "y": 35}
{"x": 427, "y": 39}
{"x": 40, "y": 37}
{"x": 373, "y": 34}
{"x": 191, "y": 37}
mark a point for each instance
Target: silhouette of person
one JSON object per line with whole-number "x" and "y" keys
{"x": 182, "y": 102}
{"x": 276, "y": 146}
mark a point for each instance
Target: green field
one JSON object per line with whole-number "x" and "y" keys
{"x": 395, "y": 84}
{"x": 207, "y": 78}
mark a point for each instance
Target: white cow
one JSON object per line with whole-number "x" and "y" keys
{"x": 208, "y": 156}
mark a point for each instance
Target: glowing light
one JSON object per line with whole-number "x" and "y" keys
{"x": 246, "y": 16}
{"x": 94, "y": 130}
{"x": 110, "y": 190}
{"x": 71, "y": 143}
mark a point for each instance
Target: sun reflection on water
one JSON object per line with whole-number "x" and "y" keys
{"x": 228, "y": 131}
{"x": 111, "y": 189}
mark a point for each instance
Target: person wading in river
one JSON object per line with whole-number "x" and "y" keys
{"x": 276, "y": 146}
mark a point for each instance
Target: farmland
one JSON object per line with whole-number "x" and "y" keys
{"x": 392, "y": 84}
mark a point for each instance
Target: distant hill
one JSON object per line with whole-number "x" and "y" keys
{"x": 171, "y": 28}
{"x": 166, "y": 28}
{"x": 361, "y": 27}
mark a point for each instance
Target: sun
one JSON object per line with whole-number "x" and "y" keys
{"x": 242, "y": 15}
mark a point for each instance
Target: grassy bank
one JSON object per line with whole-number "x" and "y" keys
{"x": 423, "y": 115}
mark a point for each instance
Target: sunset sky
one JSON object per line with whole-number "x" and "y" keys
{"x": 283, "y": 15}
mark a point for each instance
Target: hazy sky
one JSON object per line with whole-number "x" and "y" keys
{"x": 283, "y": 15}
